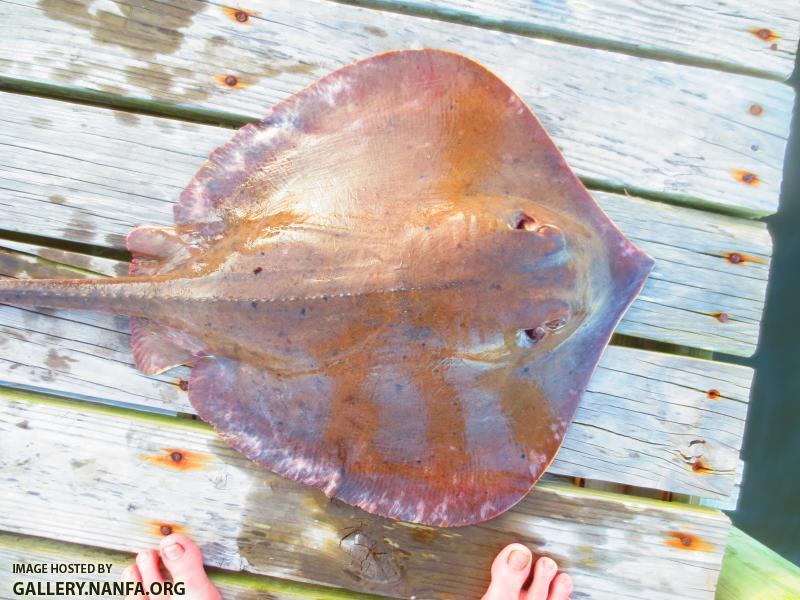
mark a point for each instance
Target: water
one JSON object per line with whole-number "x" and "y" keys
{"x": 769, "y": 507}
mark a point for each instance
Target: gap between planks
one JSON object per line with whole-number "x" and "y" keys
{"x": 695, "y": 143}
{"x": 153, "y": 108}
{"x": 614, "y": 546}
{"x": 749, "y": 39}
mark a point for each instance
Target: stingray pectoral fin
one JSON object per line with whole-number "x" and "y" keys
{"x": 157, "y": 347}
{"x": 155, "y": 250}
{"x": 279, "y": 424}
{"x": 415, "y": 445}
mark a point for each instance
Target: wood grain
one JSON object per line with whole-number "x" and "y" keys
{"x": 97, "y": 476}
{"x": 719, "y": 34}
{"x": 646, "y": 419}
{"x": 651, "y": 126}
{"x": 89, "y": 175}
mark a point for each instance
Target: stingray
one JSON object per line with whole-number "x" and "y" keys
{"x": 392, "y": 288}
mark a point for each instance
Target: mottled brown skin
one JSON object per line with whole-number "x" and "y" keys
{"x": 392, "y": 288}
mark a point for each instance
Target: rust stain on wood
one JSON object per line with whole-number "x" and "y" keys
{"x": 765, "y": 33}
{"x": 746, "y": 177}
{"x": 687, "y": 541}
{"x": 737, "y": 258}
{"x": 239, "y": 15}
{"x": 700, "y": 468}
{"x": 162, "y": 529}
{"x": 231, "y": 81}
{"x": 176, "y": 458}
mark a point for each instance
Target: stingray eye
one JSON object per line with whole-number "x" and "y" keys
{"x": 556, "y": 324}
{"x": 523, "y": 221}
{"x": 535, "y": 335}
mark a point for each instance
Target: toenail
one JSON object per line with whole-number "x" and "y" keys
{"x": 518, "y": 559}
{"x": 141, "y": 557}
{"x": 127, "y": 573}
{"x": 173, "y": 551}
{"x": 549, "y": 565}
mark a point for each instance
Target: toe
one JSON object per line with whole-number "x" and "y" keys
{"x": 147, "y": 563}
{"x": 561, "y": 587}
{"x": 131, "y": 574}
{"x": 543, "y": 572}
{"x": 510, "y": 569}
{"x": 184, "y": 560}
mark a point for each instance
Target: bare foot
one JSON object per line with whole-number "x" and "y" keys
{"x": 183, "y": 560}
{"x": 510, "y": 571}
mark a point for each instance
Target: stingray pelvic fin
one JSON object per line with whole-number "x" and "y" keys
{"x": 156, "y": 347}
{"x": 155, "y": 250}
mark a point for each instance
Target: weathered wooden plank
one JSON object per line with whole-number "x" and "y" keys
{"x": 84, "y": 355}
{"x": 233, "y": 586}
{"x": 88, "y": 175}
{"x": 729, "y": 503}
{"x": 23, "y": 259}
{"x": 751, "y": 570}
{"x": 646, "y": 420}
{"x": 750, "y": 37}
{"x": 105, "y": 477}
{"x": 697, "y": 295}
{"x": 663, "y": 128}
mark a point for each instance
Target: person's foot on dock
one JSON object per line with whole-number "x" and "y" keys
{"x": 511, "y": 570}
{"x": 183, "y": 560}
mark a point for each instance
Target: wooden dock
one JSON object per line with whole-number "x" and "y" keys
{"x": 675, "y": 116}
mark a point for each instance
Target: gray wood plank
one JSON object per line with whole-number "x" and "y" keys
{"x": 89, "y": 175}
{"x": 103, "y": 477}
{"x": 753, "y": 37}
{"x": 646, "y": 419}
{"x": 651, "y": 126}
{"x": 23, "y": 259}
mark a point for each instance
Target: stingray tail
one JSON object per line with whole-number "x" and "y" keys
{"x": 119, "y": 295}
